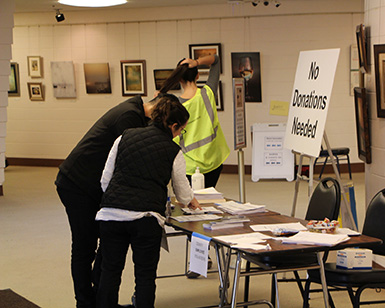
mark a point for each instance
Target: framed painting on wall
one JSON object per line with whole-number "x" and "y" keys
{"x": 35, "y": 66}
{"x": 14, "y": 81}
{"x": 35, "y": 90}
{"x": 379, "y": 67}
{"x": 160, "y": 76}
{"x": 247, "y": 65}
{"x": 63, "y": 79}
{"x": 134, "y": 81}
{"x": 362, "y": 48}
{"x": 97, "y": 77}
{"x": 218, "y": 96}
{"x": 362, "y": 125}
{"x": 201, "y": 50}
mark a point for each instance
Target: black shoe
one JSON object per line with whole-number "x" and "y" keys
{"x": 192, "y": 275}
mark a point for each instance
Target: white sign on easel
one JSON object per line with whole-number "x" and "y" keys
{"x": 310, "y": 100}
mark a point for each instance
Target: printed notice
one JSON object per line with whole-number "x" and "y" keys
{"x": 199, "y": 253}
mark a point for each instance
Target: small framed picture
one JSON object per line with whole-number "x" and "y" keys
{"x": 35, "y": 90}
{"x": 362, "y": 125}
{"x": 201, "y": 50}
{"x": 14, "y": 81}
{"x": 160, "y": 76}
{"x": 218, "y": 96}
{"x": 35, "y": 66}
{"x": 134, "y": 80}
{"x": 379, "y": 67}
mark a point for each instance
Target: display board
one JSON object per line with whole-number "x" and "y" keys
{"x": 270, "y": 160}
{"x": 310, "y": 100}
{"x": 239, "y": 113}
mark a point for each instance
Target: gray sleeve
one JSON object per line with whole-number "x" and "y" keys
{"x": 215, "y": 71}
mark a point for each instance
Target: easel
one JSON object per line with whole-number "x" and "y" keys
{"x": 311, "y": 171}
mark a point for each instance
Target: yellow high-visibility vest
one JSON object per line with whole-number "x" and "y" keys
{"x": 204, "y": 144}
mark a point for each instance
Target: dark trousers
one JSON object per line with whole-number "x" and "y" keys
{"x": 211, "y": 178}
{"x": 81, "y": 211}
{"x": 144, "y": 235}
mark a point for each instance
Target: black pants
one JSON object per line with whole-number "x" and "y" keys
{"x": 81, "y": 211}
{"x": 144, "y": 235}
{"x": 211, "y": 178}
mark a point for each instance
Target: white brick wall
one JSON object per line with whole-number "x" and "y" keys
{"x": 6, "y": 25}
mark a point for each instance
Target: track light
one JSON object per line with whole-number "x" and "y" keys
{"x": 277, "y": 3}
{"x": 255, "y": 3}
{"x": 265, "y": 3}
{"x": 59, "y": 16}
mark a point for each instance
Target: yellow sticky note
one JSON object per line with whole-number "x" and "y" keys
{"x": 279, "y": 108}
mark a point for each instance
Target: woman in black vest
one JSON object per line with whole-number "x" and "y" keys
{"x": 140, "y": 165}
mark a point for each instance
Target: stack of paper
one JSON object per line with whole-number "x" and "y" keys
{"x": 313, "y": 238}
{"x": 208, "y": 195}
{"x": 204, "y": 210}
{"x": 245, "y": 241}
{"x": 236, "y": 208}
{"x": 227, "y": 222}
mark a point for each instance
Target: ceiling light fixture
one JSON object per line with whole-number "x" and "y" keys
{"x": 277, "y": 3}
{"x": 255, "y": 3}
{"x": 265, "y": 3}
{"x": 59, "y": 16}
{"x": 92, "y": 3}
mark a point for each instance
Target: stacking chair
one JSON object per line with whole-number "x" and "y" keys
{"x": 339, "y": 154}
{"x": 324, "y": 202}
{"x": 356, "y": 281}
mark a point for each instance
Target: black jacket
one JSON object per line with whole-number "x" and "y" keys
{"x": 84, "y": 165}
{"x": 142, "y": 171}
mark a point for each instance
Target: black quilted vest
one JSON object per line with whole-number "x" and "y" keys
{"x": 142, "y": 170}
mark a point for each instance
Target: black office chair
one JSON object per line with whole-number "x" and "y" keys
{"x": 356, "y": 281}
{"x": 324, "y": 202}
{"x": 339, "y": 154}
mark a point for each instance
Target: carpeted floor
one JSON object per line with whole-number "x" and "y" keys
{"x": 10, "y": 299}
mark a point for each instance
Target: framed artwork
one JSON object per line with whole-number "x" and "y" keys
{"x": 160, "y": 76}
{"x": 63, "y": 79}
{"x": 379, "y": 67}
{"x": 97, "y": 77}
{"x": 14, "y": 81}
{"x": 362, "y": 125}
{"x": 35, "y": 66}
{"x": 362, "y": 48}
{"x": 201, "y": 50}
{"x": 35, "y": 90}
{"x": 247, "y": 65}
{"x": 134, "y": 80}
{"x": 218, "y": 96}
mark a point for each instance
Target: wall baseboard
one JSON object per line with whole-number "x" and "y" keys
{"x": 232, "y": 169}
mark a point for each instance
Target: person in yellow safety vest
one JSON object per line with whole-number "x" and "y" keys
{"x": 204, "y": 144}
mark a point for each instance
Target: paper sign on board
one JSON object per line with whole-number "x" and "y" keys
{"x": 310, "y": 100}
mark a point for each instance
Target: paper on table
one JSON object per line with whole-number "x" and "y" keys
{"x": 247, "y": 238}
{"x": 251, "y": 246}
{"x": 233, "y": 207}
{"x": 199, "y": 217}
{"x": 313, "y": 238}
{"x": 347, "y": 231}
{"x": 204, "y": 210}
{"x": 295, "y": 226}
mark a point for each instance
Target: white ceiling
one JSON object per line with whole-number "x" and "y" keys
{"x": 49, "y": 5}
